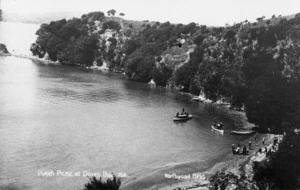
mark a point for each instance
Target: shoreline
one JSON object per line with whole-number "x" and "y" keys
{"x": 207, "y": 168}
{"x": 237, "y": 164}
{"x": 232, "y": 162}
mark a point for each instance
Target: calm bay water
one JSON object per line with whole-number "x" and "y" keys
{"x": 72, "y": 119}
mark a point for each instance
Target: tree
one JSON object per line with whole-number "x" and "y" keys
{"x": 144, "y": 69}
{"x": 199, "y": 39}
{"x": 161, "y": 74}
{"x": 111, "y": 12}
{"x": 271, "y": 98}
{"x": 188, "y": 28}
{"x": 122, "y": 14}
{"x": 131, "y": 45}
{"x": 111, "y": 25}
{"x": 260, "y": 18}
{"x": 36, "y": 50}
{"x": 271, "y": 95}
{"x": 3, "y": 49}
{"x": 185, "y": 74}
{"x": 85, "y": 50}
{"x": 230, "y": 34}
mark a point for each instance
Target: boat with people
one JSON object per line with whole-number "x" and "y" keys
{"x": 218, "y": 127}
{"x": 242, "y": 132}
{"x": 183, "y": 116}
{"x": 218, "y": 130}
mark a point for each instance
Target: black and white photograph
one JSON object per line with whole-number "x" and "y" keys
{"x": 149, "y": 95}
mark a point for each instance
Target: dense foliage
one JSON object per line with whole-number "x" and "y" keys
{"x": 98, "y": 184}
{"x": 255, "y": 66}
{"x": 66, "y": 41}
{"x": 223, "y": 181}
{"x": 3, "y": 49}
{"x": 282, "y": 171}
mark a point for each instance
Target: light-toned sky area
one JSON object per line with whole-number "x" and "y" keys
{"x": 209, "y": 12}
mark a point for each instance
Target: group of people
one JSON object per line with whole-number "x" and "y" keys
{"x": 271, "y": 148}
{"x": 218, "y": 126}
{"x": 239, "y": 150}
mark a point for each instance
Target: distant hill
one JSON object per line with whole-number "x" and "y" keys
{"x": 37, "y": 18}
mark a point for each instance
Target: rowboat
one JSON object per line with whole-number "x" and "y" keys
{"x": 218, "y": 130}
{"x": 243, "y": 132}
{"x": 182, "y": 117}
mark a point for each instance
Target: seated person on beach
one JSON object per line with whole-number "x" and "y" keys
{"x": 233, "y": 148}
{"x": 245, "y": 151}
{"x": 237, "y": 150}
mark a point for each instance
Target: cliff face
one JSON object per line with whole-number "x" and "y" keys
{"x": 3, "y": 50}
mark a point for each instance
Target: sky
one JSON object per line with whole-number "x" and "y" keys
{"x": 208, "y": 12}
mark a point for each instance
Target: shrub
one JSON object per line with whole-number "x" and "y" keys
{"x": 98, "y": 184}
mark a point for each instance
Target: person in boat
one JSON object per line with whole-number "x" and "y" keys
{"x": 182, "y": 115}
{"x": 220, "y": 125}
{"x": 215, "y": 124}
{"x": 182, "y": 111}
